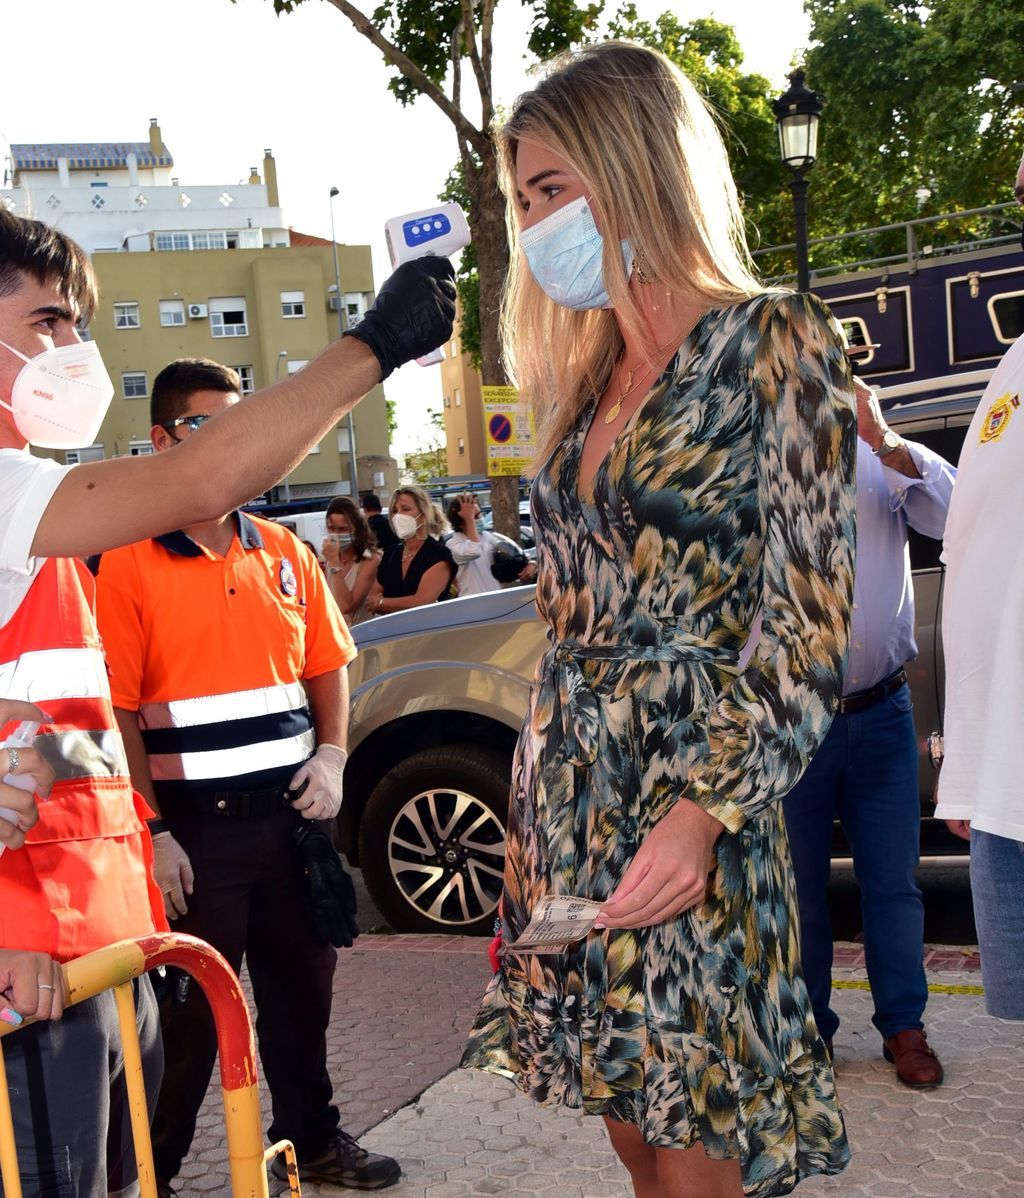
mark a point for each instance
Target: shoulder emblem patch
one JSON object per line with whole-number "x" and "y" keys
{"x": 998, "y": 417}
{"x": 288, "y": 584}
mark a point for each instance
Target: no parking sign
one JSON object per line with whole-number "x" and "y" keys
{"x": 508, "y": 427}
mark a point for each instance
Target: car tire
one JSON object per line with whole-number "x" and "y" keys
{"x": 432, "y": 840}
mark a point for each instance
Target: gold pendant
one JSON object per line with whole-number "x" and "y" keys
{"x": 613, "y": 411}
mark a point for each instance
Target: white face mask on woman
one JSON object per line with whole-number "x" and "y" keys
{"x": 59, "y": 397}
{"x": 404, "y": 525}
{"x": 565, "y": 254}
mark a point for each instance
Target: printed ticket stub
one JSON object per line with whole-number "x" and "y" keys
{"x": 557, "y": 922}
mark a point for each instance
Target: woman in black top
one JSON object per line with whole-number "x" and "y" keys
{"x": 420, "y": 569}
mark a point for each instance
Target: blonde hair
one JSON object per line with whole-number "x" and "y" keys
{"x": 433, "y": 520}
{"x": 646, "y": 146}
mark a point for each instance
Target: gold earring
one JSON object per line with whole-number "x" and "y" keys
{"x": 642, "y": 268}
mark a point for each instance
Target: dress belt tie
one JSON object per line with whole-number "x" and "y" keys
{"x": 579, "y": 703}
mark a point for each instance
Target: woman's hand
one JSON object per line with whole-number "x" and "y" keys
{"x": 31, "y": 764}
{"x": 31, "y": 986}
{"x": 331, "y": 551}
{"x": 669, "y": 873}
{"x": 375, "y": 599}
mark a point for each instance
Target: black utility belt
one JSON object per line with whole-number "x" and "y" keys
{"x": 861, "y": 700}
{"x": 238, "y": 804}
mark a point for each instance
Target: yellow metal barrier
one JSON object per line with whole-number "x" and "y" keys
{"x": 115, "y": 967}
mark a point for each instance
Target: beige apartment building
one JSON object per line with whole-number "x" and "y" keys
{"x": 204, "y": 271}
{"x": 463, "y": 412}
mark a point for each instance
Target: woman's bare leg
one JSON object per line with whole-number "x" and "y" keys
{"x": 690, "y": 1173}
{"x": 640, "y": 1159}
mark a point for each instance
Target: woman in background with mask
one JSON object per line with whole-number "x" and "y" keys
{"x": 350, "y": 558}
{"x": 420, "y": 569}
{"x": 696, "y": 447}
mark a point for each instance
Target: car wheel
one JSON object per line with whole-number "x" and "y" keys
{"x": 432, "y": 840}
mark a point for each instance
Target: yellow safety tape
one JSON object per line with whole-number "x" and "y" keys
{"x": 933, "y": 987}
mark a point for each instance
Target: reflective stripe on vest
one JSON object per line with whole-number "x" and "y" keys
{"x": 214, "y": 741}
{"x": 83, "y": 877}
{"x": 50, "y": 677}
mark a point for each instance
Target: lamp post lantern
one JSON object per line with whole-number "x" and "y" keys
{"x": 797, "y": 113}
{"x": 353, "y": 477}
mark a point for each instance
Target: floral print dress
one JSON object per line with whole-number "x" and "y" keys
{"x": 730, "y": 494}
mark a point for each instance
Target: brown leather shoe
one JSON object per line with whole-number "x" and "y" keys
{"x": 916, "y": 1063}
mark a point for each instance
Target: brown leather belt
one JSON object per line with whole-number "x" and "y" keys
{"x": 862, "y": 700}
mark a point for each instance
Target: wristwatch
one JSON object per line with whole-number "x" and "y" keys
{"x": 890, "y": 442}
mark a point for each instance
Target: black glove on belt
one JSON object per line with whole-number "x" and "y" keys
{"x": 412, "y": 314}
{"x": 332, "y": 896}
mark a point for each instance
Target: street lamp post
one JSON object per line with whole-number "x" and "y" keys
{"x": 281, "y": 355}
{"x": 797, "y": 113}
{"x": 354, "y": 483}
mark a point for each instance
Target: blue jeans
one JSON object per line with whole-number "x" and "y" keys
{"x": 866, "y": 774}
{"x": 997, "y": 884}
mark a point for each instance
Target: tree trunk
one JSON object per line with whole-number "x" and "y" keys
{"x": 487, "y": 217}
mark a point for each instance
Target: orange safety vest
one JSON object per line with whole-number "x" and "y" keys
{"x": 84, "y": 877}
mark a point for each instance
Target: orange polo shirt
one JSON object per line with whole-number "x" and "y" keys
{"x": 211, "y": 651}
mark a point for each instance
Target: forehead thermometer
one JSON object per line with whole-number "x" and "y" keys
{"x": 441, "y": 230}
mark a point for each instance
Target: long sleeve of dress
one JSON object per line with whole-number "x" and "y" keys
{"x": 766, "y": 725}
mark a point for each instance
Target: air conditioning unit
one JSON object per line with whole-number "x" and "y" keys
{"x": 197, "y": 311}
{"x": 333, "y": 303}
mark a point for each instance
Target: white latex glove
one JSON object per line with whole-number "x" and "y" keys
{"x": 173, "y": 872}
{"x": 322, "y": 797}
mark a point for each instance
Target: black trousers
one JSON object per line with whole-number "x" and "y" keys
{"x": 248, "y": 901}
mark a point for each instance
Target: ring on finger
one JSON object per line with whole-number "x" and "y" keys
{"x": 44, "y": 986}
{"x": 13, "y": 761}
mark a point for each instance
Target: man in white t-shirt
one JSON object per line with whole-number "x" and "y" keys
{"x": 83, "y": 877}
{"x": 981, "y": 786}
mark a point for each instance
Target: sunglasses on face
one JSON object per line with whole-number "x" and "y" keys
{"x": 193, "y": 422}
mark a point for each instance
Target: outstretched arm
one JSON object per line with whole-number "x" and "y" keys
{"x": 101, "y": 505}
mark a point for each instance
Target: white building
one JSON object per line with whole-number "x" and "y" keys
{"x": 115, "y": 196}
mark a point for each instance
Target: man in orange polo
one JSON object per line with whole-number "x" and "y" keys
{"x": 227, "y": 669}
{"x": 83, "y": 875}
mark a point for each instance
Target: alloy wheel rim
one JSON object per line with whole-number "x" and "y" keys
{"x": 446, "y": 854}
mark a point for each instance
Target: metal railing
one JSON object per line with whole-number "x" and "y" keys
{"x": 916, "y": 248}
{"x": 115, "y": 967}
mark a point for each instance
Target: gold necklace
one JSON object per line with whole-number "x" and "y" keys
{"x": 613, "y": 412}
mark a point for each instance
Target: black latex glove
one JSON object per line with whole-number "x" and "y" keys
{"x": 412, "y": 314}
{"x": 331, "y": 892}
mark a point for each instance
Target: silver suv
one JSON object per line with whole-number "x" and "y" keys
{"x": 438, "y": 697}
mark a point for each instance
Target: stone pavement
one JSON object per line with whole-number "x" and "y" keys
{"x": 403, "y": 1006}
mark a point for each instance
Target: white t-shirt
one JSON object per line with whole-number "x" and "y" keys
{"x": 982, "y": 778}
{"x": 474, "y": 561}
{"x": 27, "y": 485}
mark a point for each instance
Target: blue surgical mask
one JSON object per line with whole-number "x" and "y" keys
{"x": 479, "y": 524}
{"x": 564, "y": 252}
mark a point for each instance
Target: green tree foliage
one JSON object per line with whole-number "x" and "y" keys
{"x": 924, "y": 116}
{"x": 708, "y": 52}
{"x": 467, "y": 280}
{"x": 434, "y": 47}
{"x": 430, "y": 461}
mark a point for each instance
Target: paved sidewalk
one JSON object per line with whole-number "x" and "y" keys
{"x": 402, "y": 1009}
{"x": 402, "y": 1005}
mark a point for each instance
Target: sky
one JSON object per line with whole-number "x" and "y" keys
{"x": 229, "y": 80}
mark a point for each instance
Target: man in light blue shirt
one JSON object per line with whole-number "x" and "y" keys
{"x": 866, "y": 770}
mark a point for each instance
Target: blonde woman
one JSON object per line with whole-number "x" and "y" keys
{"x": 350, "y": 558}
{"x": 697, "y": 440}
{"x": 419, "y": 569}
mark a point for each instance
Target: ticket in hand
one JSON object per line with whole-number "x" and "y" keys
{"x": 558, "y": 921}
